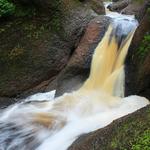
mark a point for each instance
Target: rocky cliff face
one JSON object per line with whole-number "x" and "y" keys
{"x": 138, "y": 61}
{"x": 37, "y": 42}
{"x": 78, "y": 67}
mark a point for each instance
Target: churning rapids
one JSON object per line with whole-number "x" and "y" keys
{"x": 54, "y": 124}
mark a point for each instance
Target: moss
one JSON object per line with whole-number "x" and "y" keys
{"x": 34, "y": 31}
{"x": 132, "y": 135}
{"x": 56, "y": 22}
{"x": 114, "y": 144}
{"x": 2, "y": 30}
{"x": 24, "y": 11}
{"x": 16, "y": 53}
{"x": 139, "y": 1}
{"x": 144, "y": 47}
{"x": 142, "y": 142}
{"x": 12, "y": 57}
{"x": 61, "y": 10}
{"x": 69, "y": 5}
{"x": 7, "y": 8}
{"x": 148, "y": 11}
{"x": 16, "y": 10}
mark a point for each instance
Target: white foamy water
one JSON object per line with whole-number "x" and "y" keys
{"x": 126, "y": 22}
{"x": 42, "y": 96}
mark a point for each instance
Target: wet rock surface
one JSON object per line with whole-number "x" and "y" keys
{"x": 137, "y": 64}
{"x": 78, "y": 67}
{"x": 36, "y": 47}
{"x": 120, "y": 134}
{"x": 119, "y": 5}
{"x": 5, "y": 102}
{"x": 136, "y": 8}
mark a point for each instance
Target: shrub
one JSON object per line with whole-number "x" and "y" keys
{"x": 6, "y": 8}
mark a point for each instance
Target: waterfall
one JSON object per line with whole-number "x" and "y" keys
{"x": 55, "y": 124}
{"x": 108, "y": 65}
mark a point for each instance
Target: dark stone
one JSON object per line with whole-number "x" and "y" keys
{"x": 119, "y": 5}
{"x": 36, "y": 48}
{"x": 78, "y": 67}
{"x": 5, "y": 102}
{"x": 138, "y": 70}
{"x": 137, "y": 8}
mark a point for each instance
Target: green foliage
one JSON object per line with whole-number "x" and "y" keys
{"x": 6, "y": 8}
{"x": 144, "y": 46}
{"x": 142, "y": 142}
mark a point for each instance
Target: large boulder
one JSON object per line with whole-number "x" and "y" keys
{"x": 119, "y": 5}
{"x": 78, "y": 67}
{"x": 36, "y": 44}
{"x": 137, "y": 8}
{"x": 63, "y": 5}
{"x": 131, "y": 7}
{"x": 138, "y": 61}
{"x": 129, "y": 132}
{"x": 96, "y": 5}
{"x": 5, "y": 102}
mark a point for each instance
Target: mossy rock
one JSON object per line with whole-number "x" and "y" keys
{"x": 29, "y": 53}
{"x": 36, "y": 45}
{"x": 137, "y": 63}
{"x": 144, "y": 47}
{"x": 128, "y": 133}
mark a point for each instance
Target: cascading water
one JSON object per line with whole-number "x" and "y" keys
{"x": 55, "y": 124}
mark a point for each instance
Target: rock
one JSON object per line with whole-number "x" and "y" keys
{"x": 137, "y": 64}
{"x": 137, "y": 8}
{"x": 78, "y": 67}
{"x": 62, "y": 5}
{"x": 115, "y": 0}
{"x": 119, "y": 5}
{"x": 29, "y": 55}
{"x": 5, "y": 102}
{"x": 123, "y": 133}
{"x": 96, "y": 5}
{"x": 36, "y": 47}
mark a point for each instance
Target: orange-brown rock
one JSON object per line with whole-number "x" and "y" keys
{"x": 78, "y": 67}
